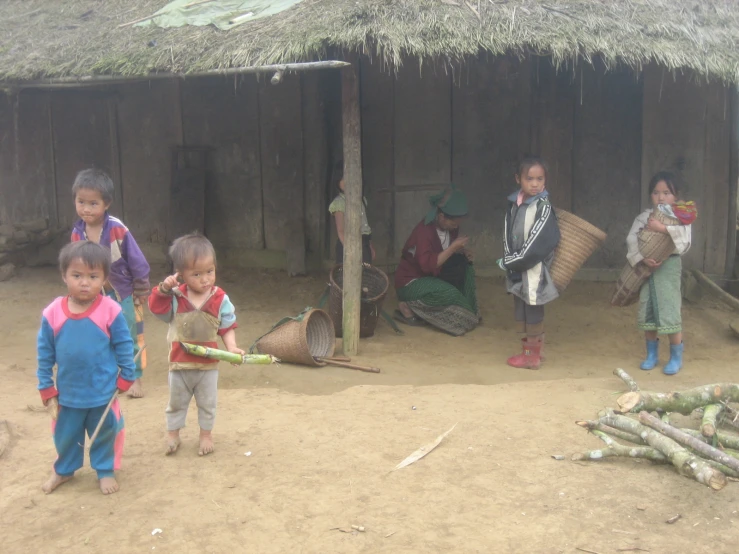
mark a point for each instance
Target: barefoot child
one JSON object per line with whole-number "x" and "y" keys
{"x": 86, "y": 336}
{"x": 660, "y": 298}
{"x": 197, "y": 312}
{"x": 531, "y": 234}
{"x": 337, "y": 208}
{"x": 128, "y": 282}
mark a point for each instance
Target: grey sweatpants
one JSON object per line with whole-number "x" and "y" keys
{"x": 183, "y": 385}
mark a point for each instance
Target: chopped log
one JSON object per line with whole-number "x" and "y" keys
{"x": 724, "y": 439}
{"x": 684, "y": 461}
{"x": 682, "y": 402}
{"x": 615, "y": 449}
{"x": 710, "y": 415}
{"x": 665, "y": 416}
{"x": 683, "y": 438}
{"x": 626, "y": 378}
{"x": 612, "y": 431}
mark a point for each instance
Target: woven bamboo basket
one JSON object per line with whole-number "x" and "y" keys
{"x": 655, "y": 246}
{"x": 579, "y": 239}
{"x": 301, "y": 342}
{"x": 374, "y": 289}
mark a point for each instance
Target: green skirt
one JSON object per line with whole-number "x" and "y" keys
{"x": 443, "y": 305}
{"x": 660, "y": 299}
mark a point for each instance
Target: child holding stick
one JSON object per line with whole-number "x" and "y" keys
{"x": 128, "y": 282}
{"x": 198, "y": 312}
{"x": 86, "y": 336}
{"x": 660, "y": 298}
{"x": 531, "y": 234}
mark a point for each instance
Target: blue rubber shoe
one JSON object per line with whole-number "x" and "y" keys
{"x": 676, "y": 360}
{"x": 652, "y": 355}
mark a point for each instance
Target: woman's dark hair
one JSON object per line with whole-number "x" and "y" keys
{"x": 92, "y": 255}
{"x": 670, "y": 180}
{"x": 530, "y": 161}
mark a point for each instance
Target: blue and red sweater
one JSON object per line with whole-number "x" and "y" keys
{"x": 87, "y": 349}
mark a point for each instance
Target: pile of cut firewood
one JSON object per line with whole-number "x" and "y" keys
{"x": 641, "y": 428}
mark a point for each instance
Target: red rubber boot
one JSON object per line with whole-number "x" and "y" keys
{"x": 530, "y": 357}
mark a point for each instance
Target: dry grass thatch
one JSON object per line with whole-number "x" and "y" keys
{"x": 44, "y": 38}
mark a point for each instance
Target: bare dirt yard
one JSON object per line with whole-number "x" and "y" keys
{"x": 323, "y": 441}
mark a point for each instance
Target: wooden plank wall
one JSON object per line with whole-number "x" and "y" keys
{"x": 150, "y": 124}
{"x": 81, "y": 130}
{"x": 604, "y": 133}
{"x": 606, "y": 170}
{"x": 686, "y": 129}
{"x": 26, "y": 163}
{"x": 491, "y": 111}
{"x": 223, "y": 113}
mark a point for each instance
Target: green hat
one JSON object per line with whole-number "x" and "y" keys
{"x": 451, "y": 202}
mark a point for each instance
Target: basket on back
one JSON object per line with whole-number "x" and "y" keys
{"x": 652, "y": 245}
{"x": 374, "y": 288}
{"x": 301, "y": 339}
{"x": 579, "y": 239}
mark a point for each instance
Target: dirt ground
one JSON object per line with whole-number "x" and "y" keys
{"x": 323, "y": 442}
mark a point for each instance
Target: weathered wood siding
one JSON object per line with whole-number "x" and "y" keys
{"x": 272, "y": 150}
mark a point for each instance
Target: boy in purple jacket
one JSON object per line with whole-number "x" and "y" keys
{"x": 128, "y": 281}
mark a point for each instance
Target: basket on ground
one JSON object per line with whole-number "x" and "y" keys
{"x": 301, "y": 340}
{"x": 374, "y": 288}
{"x": 579, "y": 239}
{"x": 652, "y": 245}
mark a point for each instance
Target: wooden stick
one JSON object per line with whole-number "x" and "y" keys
{"x": 139, "y": 20}
{"x": 715, "y": 289}
{"x": 102, "y": 419}
{"x": 110, "y": 403}
{"x": 626, "y": 378}
{"x": 694, "y": 444}
{"x": 329, "y": 361}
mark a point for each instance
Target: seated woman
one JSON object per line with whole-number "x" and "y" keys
{"x": 435, "y": 280}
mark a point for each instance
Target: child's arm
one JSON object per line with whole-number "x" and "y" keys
{"x": 46, "y": 354}
{"x": 120, "y": 338}
{"x": 137, "y": 264}
{"x": 227, "y": 328}
{"x": 339, "y": 219}
{"x": 162, "y": 302}
{"x": 543, "y": 239}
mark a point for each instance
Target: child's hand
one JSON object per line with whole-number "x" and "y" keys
{"x": 652, "y": 264}
{"x": 459, "y": 243}
{"x": 170, "y": 282}
{"x": 236, "y": 350}
{"x": 656, "y": 226}
{"x": 52, "y": 406}
{"x": 469, "y": 254}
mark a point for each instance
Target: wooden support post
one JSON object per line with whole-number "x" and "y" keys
{"x": 352, "y": 216}
{"x": 733, "y": 182}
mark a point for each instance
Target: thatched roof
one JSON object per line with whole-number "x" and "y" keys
{"x": 56, "y": 38}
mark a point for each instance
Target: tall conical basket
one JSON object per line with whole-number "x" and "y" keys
{"x": 301, "y": 340}
{"x": 579, "y": 239}
{"x": 652, "y": 245}
{"x": 374, "y": 289}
